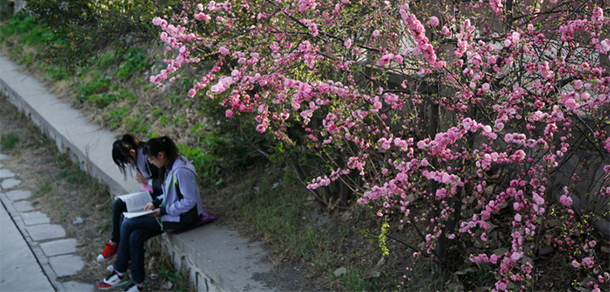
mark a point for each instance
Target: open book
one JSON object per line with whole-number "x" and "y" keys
{"x": 135, "y": 204}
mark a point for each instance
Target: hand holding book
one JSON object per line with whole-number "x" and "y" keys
{"x": 139, "y": 204}
{"x": 156, "y": 212}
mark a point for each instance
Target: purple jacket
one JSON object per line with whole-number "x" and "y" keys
{"x": 180, "y": 191}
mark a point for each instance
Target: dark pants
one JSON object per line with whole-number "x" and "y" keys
{"x": 118, "y": 207}
{"x": 134, "y": 232}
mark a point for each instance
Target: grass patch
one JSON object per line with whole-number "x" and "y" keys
{"x": 284, "y": 215}
{"x": 44, "y": 189}
{"x": 179, "y": 279}
{"x": 8, "y": 141}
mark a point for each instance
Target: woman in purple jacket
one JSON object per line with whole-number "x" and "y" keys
{"x": 177, "y": 208}
{"x": 127, "y": 152}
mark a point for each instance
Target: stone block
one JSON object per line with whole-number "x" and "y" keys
{"x": 66, "y": 265}
{"x": 46, "y": 232}
{"x": 9, "y": 183}
{"x": 5, "y": 173}
{"x": 59, "y": 247}
{"x": 18, "y": 195}
{"x": 23, "y": 206}
{"x": 35, "y": 218}
{"x": 73, "y": 286}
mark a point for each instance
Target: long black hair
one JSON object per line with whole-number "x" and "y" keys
{"x": 121, "y": 148}
{"x": 162, "y": 144}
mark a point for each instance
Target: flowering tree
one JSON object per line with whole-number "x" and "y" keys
{"x": 482, "y": 124}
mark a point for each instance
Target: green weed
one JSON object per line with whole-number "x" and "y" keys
{"x": 134, "y": 61}
{"x": 43, "y": 190}
{"x": 205, "y": 163}
{"x": 99, "y": 85}
{"x": 117, "y": 115}
{"x": 8, "y": 141}
{"x": 179, "y": 279}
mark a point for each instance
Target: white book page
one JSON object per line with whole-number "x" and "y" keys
{"x": 136, "y": 201}
{"x": 137, "y": 214}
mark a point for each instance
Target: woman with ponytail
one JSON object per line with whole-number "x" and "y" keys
{"x": 178, "y": 207}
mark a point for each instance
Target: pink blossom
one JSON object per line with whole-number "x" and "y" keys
{"x": 588, "y": 262}
{"x": 223, "y": 51}
{"x": 261, "y": 128}
{"x": 571, "y": 104}
{"x": 516, "y": 256}
{"x": 606, "y": 144}
{"x": 493, "y": 259}
{"x": 202, "y": 16}
{"x": 158, "y": 21}
{"x": 575, "y": 264}
{"x": 598, "y": 14}
{"x": 398, "y": 58}
{"x": 433, "y": 21}
{"x": 192, "y": 92}
{"x": 228, "y": 113}
{"x": 385, "y": 59}
{"x": 375, "y": 33}
{"x": 518, "y": 156}
{"x": 348, "y": 43}
{"x": 537, "y": 199}
{"x": 518, "y": 217}
{"x": 501, "y": 286}
{"x": 565, "y": 200}
{"x": 604, "y": 46}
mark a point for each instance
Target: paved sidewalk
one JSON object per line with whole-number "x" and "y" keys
{"x": 33, "y": 252}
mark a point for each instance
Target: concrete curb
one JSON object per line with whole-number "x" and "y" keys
{"x": 217, "y": 259}
{"x": 34, "y": 246}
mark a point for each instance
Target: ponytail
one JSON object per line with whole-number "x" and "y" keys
{"x": 162, "y": 144}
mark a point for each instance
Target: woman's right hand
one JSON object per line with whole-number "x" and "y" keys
{"x": 149, "y": 207}
{"x": 141, "y": 179}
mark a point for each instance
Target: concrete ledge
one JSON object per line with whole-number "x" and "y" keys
{"x": 217, "y": 259}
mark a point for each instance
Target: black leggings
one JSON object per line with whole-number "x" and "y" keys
{"x": 118, "y": 207}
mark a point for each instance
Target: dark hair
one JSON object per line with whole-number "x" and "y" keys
{"x": 162, "y": 144}
{"x": 121, "y": 148}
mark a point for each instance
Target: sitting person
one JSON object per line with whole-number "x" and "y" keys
{"x": 127, "y": 151}
{"x": 178, "y": 207}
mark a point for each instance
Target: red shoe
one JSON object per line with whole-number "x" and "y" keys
{"x": 109, "y": 251}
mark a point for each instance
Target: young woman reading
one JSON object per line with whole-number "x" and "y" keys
{"x": 179, "y": 207}
{"x": 128, "y": 152}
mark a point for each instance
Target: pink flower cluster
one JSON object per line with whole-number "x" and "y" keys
{"x": 484, "y": 129}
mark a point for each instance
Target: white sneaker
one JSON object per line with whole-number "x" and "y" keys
{"x": 133, "y": 288}
{"x": 112, "y": 281}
